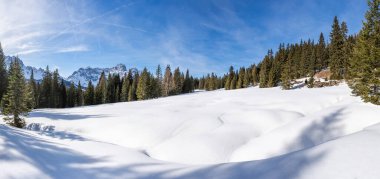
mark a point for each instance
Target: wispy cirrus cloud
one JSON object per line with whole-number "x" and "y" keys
{"x": 26, "y": 25}
{"x": 203, "y": 36}
{"x": 77, "y": 48}
{"x": 29, "y": 51}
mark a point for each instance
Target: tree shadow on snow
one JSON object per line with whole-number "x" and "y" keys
{"x": 290, "y": 165}
{"x": 62, "y": 116}
{"x": 56, "y": 161}
{"x": 287, "y": 166}
{"x": 319, "y": 132}
{"x": 53, "y": 160}
{"x": 51, "y": 132}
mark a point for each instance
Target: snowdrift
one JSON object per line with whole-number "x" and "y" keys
{"x": 245, "y": 133}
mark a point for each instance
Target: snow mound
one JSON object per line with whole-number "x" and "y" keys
{"x": 245, "y": 133}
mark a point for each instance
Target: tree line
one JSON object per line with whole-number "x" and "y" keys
{"x": 299, "y": 60}
{"x": 354, "y": 58}
{"x": 53, "y": 92}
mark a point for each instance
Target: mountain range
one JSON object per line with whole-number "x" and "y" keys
{"x": 84, "y": 75}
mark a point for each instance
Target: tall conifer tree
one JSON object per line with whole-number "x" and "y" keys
{"x": 125, "y": 87}
{"x": 62, "y": 95}
{"x": 34, "y": 93}
{"x": 177, "y": 82}
{"x": 255, "y": 79}
{"x": 89, "y": 95}
{"x": 142, "y": 91}
{"x": 336, "y": 50}
{"x": 101, "y": 90}
{"x": 55, "y": 90}
{"x": 365, "y": 63}
{"x": 16, "y": 99}
{"x": 46, "y": 89}
{"x": 167, "y": 82}
{"x": 3, "y": 74}
{"x": 132, "y": 90}
{"x": 71, "y": 96}
{"x": 79, "y": 95}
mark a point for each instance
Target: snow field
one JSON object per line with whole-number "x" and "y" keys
{"x": 245, "y": 133}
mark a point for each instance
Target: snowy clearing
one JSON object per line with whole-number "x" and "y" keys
{"x": 245, "y": 133}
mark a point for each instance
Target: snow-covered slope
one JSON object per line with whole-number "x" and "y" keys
{"x": 84, "y": 75}
{"x": 246, "y": 133}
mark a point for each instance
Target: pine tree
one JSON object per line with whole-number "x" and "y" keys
{"x": 255, "y": 79}
{"x": 79, "y": 95}
{"x": 3, "y": 74}
{"x": 142, "y": 91}
{"x": 321, "y": 59}
{"x": 229, "y": 79}
{"x": 176, "y": 82}
{"x": 132, "y": 90}
{"x": 152, "y": 87}
{"x": 265, "y": 69}
{"x": 310, "y": 82}
{"x": 296, "y": 58}
{"x": 212, "y": 82}
{"x": 233, "y": 82}
{"x": 285, "y": 77}
{"x": 34, "y": 93}
{"x": 16, "y": 99}
{"x": 62, "y": 95}
{"x": 192, "y": 84}
{"x": 71, "y": 96}
{"x": 312, "y": 70}
{"x": 240, "y": 79}
{"x": 125, "y": 87}
{"x": 302, "y": 69}
{"x": 201, "y": 83}
{"x": 187, "y": 83}
{"x": 117, "y": 96}
{"x": 55, "y": 90}
{"x": 46, "y": 91}
{"x": 117, "y": 87}
{"x": 274, "y": 73}
{"x": 344, "y": 30}
{"x": 182, "y": 80}
{"x": 336, "y": 50}
{"x": 101, "y": 90}
{"x": 38, "y": 94}
{"x": 167, "y": 82}
{"x": 364, "y": 64}
{"x": 312, "y": 63}
{"x": 89, "y": 96}
{"x": 158, "y": 82}
{"x": 110, "y": 90}
{"x": 246, "y": 80}
{"x": 348, "y": 54}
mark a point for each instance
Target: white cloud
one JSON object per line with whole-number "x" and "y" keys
{"x": 78, "y": 48}
{"x": 27, "y": 26}
{"x": 30, "y": 51}
{"x": 172, "y": 50}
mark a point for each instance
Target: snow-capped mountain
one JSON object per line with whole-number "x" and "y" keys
{"x": 84, "y": 75}
{"x": 38, "y": 72}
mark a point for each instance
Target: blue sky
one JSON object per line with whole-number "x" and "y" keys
{"x": 203, "y": 36}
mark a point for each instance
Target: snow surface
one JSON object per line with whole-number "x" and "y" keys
{"x": 245, "y": 133}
